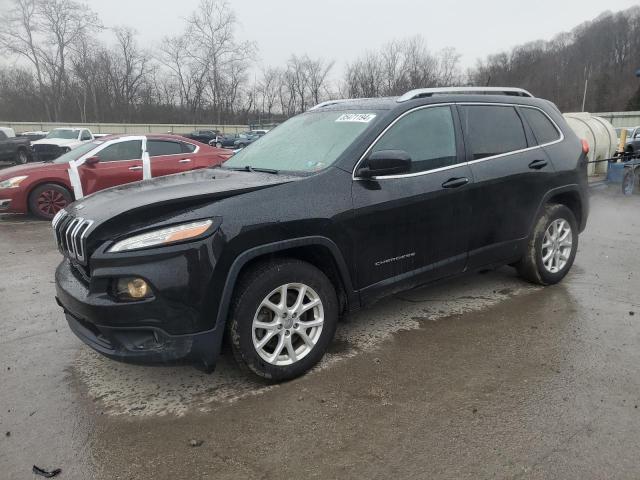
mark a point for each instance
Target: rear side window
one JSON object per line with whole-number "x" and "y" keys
{"x": 161, "y": 147}
{"x": 129, "y": 150}
{"x": 3, "y": 136}
{"x": 492, "y": 130}
{"x": 543, "y": 129}
{"x": 427, "y": 135}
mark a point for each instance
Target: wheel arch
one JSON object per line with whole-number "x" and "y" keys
{"x": 569, "y": 196}
{"x": 319, "y": 251}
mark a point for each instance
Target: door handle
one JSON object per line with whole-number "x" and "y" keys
{"x": 538, "y": 164}
{"x": 455, "y": 182}
{"x": 184, "y": 160}
{"x": 135, "y": 168}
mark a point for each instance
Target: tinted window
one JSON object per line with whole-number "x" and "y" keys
{"x": 129, "y": 150}
{"x": 85, "y": 135}
{"x": 162, "y": 147}
{"x": 427, "y": 135}
{"x": 492, "y": 130}
{"x": 543, "y": 129}
{"x": 2, "y": 135}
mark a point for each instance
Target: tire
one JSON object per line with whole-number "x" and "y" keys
{"x": 218, "y": 145}
{"x": 48, "y": 199}
{"x": 629, "y": 182}
{"x": 265, "y": 282}
{"x": 22, "y": 157}
{"x": 532, "y": 266}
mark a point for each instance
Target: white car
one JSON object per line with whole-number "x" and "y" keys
{"x": 59, "y": 141}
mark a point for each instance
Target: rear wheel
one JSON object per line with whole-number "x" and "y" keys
{"x": 218, "y": 145}
{"x": 629, "y": 182}
{"x": 48, "y": 199}
{"x": 283, "y": 317}
{"x": 22, "y": 157}
{"x": 552, "y": 247}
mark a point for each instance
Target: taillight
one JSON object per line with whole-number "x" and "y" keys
{"x": 585, "y": 146}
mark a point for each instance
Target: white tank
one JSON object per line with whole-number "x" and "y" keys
{"x": 602, "y": 138}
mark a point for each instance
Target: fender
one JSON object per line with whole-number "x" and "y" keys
{"x": 572, "y": 188}
{"x": 243, "y": 258}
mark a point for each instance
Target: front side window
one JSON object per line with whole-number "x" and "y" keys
{"x": 3, "y": 136}
{"x": 492, "y": 130}
{"x": 129, "y": 150}
{"x": 157, "y": 148}
{"x": 427, "y": 135}
{"x": 543, "y": 129}
{"x": 85, "y": 135}
{"x": 78, "y": 152}
{"x": 306, "y": 143}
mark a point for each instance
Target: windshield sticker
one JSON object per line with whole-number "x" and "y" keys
{"x": 356, "y": 117}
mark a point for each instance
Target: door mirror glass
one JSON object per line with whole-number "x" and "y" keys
{"x": 386, "y": 162}
{"x": 91, "y": 161}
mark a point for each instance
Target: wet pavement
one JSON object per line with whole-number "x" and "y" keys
{"x": 484, "y": 376}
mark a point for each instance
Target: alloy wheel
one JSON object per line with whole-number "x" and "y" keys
{"x": 288, "y": 324}
{"x": 51, "y": 202}
{"x": 557, "y": 245}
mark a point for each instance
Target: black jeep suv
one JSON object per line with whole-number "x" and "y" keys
{"x": 372, "y": 196}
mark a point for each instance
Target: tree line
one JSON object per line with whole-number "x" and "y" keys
{"x": 57, "y": 69}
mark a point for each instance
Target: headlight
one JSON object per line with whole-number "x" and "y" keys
{"x": 12, "y": 182}
{"x": 164, "y": 236}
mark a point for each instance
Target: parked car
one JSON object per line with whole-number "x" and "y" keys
{"x": 332, "y": 210}
{"x": 59, "y": 141}
{"x": 259, "y": 133}
{"x": 43, "y": 189}
{"x": 33, "y": 136}
{"x": 632, "y": 144}
{"x": 203, "y": 136}
{"x": 12, "y": 148}
{"x": 245, "y": 139}
{"x": 224, "y": 141}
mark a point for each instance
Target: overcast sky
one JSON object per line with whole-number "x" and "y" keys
{"x": 342, "y": 29}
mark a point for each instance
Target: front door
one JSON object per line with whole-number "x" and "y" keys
{"x": 119, "y": 163}
{"x": 411, "y": 228}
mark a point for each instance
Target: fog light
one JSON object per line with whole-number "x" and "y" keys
{"x": 133, "y": 289}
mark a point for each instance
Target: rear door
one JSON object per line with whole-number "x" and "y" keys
{"x": 169, "y": 156}
{"x": 411, "y": 228}
{"x": 511, "y": 175}
{"x": 120, "y": 163}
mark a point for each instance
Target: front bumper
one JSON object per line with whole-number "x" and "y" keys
{"x": 5, "y": 204}
{"x": 130, "y": 332}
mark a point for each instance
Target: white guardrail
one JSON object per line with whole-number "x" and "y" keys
{"x": 134, "y": 128}
{"x": 620, "y": 119}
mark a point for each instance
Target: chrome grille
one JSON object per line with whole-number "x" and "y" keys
{"x": 71, "y": 235}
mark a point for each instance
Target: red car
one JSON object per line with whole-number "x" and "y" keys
{"x": 43, "y": 189}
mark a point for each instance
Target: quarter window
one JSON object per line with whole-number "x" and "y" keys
{"x": 492, "y": 130}
{"x": 427, "y": 135}
{"x": 158, "y": 148}
{"x": 543, "y": 129}
{"x": 129, "y": 150}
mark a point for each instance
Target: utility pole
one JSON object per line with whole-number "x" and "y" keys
{"x": 587, "y": 73}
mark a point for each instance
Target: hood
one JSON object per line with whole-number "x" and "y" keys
{"x": 29, "y": 168}
{"x": 196, "y": 186}
{"x": 59, "y": 142}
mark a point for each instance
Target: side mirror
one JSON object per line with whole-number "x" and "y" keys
{"x": 385, "y": 162}
{"x": 91, "y": 161}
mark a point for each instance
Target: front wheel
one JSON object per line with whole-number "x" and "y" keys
{"x": 552, "y": 247}
{"x": 48, "y": 199}
{"x": 283, "y": 318}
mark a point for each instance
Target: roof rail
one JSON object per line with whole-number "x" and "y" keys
{"x": 428, "y": 92}
{"x": 327, "y": 103}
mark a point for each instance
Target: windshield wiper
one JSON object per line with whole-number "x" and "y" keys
{"x": 249, "y": 168}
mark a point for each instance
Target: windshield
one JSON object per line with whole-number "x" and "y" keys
{"x": 64, "y": 134}
{"x": 306, "y": 143}
{"x": 76, "y": 153}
